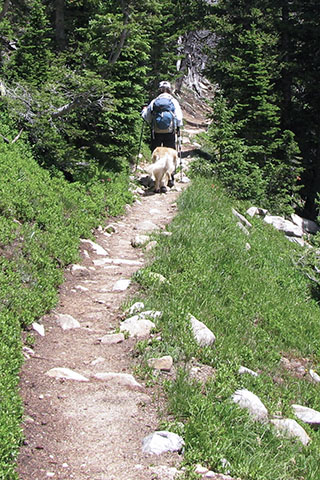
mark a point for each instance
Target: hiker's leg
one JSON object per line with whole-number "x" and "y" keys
{"x": 169, "y": 140}
{"x": 156, "y": 140}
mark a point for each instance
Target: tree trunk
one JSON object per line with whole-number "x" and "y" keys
{"x": 60, "y": 29}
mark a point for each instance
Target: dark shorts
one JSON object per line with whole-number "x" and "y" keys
{"x": 163, "y": 140}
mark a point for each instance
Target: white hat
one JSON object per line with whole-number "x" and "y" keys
{"x": 165, "y": 85}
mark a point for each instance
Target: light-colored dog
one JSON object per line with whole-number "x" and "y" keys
{"x": 164, "y": 163}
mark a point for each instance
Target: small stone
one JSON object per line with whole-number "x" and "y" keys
{"x": 121, "y": 285}
{"x": 161, "y": 442}
{"x": 151, "y": 246}
{"x": 243, "y": 370}
{"x": 67, "y": 374}
{"x": 163, "y": 363}
{"x": 67, "y": 322}
{"x": 307, "y": 415}
{"x": 314, "y": 376}
{"x": 97, "y": 248}
{"x": 38, "y": 328}
{"x": 139, "y": 240}
{"x": 201, "y": 332}
{"x": 135, "y": 308}
{"x": 124, "y": 379}
{"x": 112, "y": 338}
{"x": 246, "y": 399}
{"x": 291, "y": 428}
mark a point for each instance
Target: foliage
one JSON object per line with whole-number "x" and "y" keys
{"x": 261, "y": 308}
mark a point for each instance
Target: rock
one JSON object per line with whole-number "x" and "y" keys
{"x": 136, "y": 307}
{"x": 121, "y": 285}
{"x": 246, "y": 399}
{"x": 289, "y": 228}
{"x": 96, "y": 248}
{"x": 151, "y": 245}
{"x": 163, "y": 363}
{"x": 139, "y": 240}
{"x": 67, "y": 374}
{"x": 252, "y": 211}
{"x": 157, "y": 277}
{"x": 297, "y": 240}
{"x": 38, "y": 328}
{"x": 164, "y": 472}
{"x": 161, "y": 442}
{"x": 314, "y": 376}
{"x": 243, "y": 370}
{"x": 112, "y": 339}
{"x": 136, "y": 326}
{"x": 306, "y": 225}
{"x": 242, "y": 219}
{"x": 146, "y": 226}
{"x": 124, "y": 379}
{"x": 78, "y": 268}
{"x": 202, "y": 334}
{"x": 291, "y": 428}
{"x": 67, "y": 322}
{"x": 307, "y": 415}
{"x": 243, "y": 228}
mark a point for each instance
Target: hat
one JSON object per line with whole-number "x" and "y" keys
{"x": 165, "y": 85}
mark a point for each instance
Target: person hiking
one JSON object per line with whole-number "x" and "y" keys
{"x": 165, "y": 117}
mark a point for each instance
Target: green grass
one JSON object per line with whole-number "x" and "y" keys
{"x": 42, "y": 219}
{"x": 260, "y": 307}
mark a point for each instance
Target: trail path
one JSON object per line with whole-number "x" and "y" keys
{"x": 93, "y": 430}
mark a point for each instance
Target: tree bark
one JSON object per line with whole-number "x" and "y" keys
{"x": 5, "y": 9}
{"x": 61, "y": 40}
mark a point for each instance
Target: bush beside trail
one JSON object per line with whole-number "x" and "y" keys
{"x": 265, "y": 316}
{"x": 42, "y": 218}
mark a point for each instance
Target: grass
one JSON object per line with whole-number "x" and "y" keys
{"x": 42, "y": 219}
{"x": 261, "y": 308}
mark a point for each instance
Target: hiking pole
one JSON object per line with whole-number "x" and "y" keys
{"x": 140, "y": 141}
{"x": 179, "y": 153}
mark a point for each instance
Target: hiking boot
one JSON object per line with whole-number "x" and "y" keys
{"x": 163, "y": 189}
{"x": 157, "y": 191}
{"x": 171, "y": 183}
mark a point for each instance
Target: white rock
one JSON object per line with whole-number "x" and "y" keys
{"x": 307, "y": 415}
{"x": 246, "y": 399}
{"x": 146, "y": 225}
{"x": 150, "y": 314}
{"x": 291, "y": 428}
{"x": 67, "y": 322}
{"x": 151, "y": 245}
{"x": 97, "y": 360}
{"x": 97, "y": 248}
{"x": 112, "y": 338}
{"x": 306, "y": 225}
{"x": 38, "y": 328}
{"x": 243, "y": 370}
{"x": 139, "y": 240}
{"x": 67, "y": 374}
{"x": 78, "y": 268}
{"x": 137, "y": 327}
{"x": 136, "y": 307}
{"x": 121, "y": 285}
{"x": 252, "y": 211}
{"x": 82, "y": 288}
{"x": 162, "y": 363}
{"x": 297, "y": 240}
{"x": 164, "y": 472}
{"x": 158, "y": 277}
{"x": 161, "y": 442}
{"x": 289, "y": 228}
{"x": 201, "y": 332}
{"x": 124, "y": 379}
{"x": 243, "y": 228}
{"x": 241, "y": 218}
{"x": 314, "y": 376}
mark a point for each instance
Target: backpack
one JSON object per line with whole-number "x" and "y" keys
{"x": 163, "y": 116}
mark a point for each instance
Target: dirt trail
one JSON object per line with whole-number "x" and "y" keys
{"x": 93, "y": 430}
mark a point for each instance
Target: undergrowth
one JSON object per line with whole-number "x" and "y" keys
{"x": 250, "y": 293}
{"x": 42, "y": 218}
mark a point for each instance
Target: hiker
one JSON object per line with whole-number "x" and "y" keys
{"x": 165, "y": 117}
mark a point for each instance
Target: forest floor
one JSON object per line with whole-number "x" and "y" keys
{"x": 93, "y": 430}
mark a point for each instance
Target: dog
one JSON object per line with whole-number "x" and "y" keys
{"x": 164, "y": 164}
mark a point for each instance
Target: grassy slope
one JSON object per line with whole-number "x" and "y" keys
{"x": 41, "y": 221}
{"x": 260, "y": 308}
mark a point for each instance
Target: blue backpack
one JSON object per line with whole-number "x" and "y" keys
{"x": 163, "y": 116}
